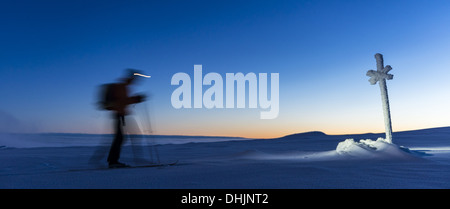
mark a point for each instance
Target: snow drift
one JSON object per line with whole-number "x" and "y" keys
{"x": 349, "y": 149}
{"x": 379, "y": 149}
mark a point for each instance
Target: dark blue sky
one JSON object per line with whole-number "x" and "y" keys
{"x": 55, "y": 54}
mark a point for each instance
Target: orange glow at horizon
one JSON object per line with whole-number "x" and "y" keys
{"x": 268, "y": 133}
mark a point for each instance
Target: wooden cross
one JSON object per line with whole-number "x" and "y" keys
{"x": 381, "y": 75}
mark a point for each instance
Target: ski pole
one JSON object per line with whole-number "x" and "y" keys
{"x": 153, "y": 147}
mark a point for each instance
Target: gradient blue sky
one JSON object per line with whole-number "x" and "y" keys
{"x": 55, "y": 54}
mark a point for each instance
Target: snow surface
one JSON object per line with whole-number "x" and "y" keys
{"x": 418, "y": 159}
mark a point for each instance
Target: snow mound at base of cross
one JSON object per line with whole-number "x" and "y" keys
{"x": 367, "y": 148}
{"x": 349, "y": 149}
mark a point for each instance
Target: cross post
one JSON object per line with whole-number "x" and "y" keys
{"x": 381, "y": 75}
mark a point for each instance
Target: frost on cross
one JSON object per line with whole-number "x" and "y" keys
{"x": 380, "y": 76}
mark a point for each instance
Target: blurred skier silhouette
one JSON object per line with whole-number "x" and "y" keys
{"x": 116, "y": 98}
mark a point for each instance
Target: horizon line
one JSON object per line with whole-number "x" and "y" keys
{"x": 168, "y": 135}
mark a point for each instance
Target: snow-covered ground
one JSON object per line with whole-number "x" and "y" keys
{"x": 417, "y": 159}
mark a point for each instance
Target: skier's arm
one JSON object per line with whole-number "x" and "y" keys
{"x": 136, "y": 99}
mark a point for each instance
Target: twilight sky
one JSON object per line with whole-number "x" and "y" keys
{"x": 55, "y": 54}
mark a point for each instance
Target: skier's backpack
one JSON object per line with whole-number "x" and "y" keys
{"x": 106, "y": 97}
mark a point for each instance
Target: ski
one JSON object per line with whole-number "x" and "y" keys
{"x": 149, "y": 165}
{"x": 129, "y": 166}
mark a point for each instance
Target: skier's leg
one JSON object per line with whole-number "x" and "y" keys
{"x": 114, "y": 152}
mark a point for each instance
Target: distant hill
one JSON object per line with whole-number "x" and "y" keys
{"x": 437, "y": 130}
{"x": 303, "y": 135}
